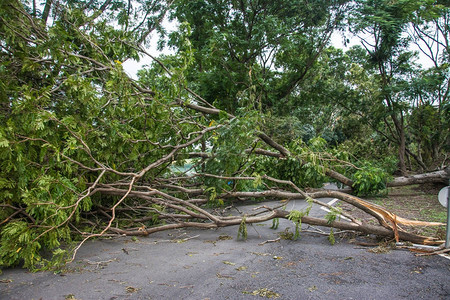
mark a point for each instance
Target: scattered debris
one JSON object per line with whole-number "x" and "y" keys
{"x": 179, "y": 241}
{"x": 383, "y": 248}
{"x": 260, "y": 254}
{"x": 6, "y": 281}
{"x": 211, "y": 242}
{"x": 127, "y": 250}
{"x": 434, "y": 252}
{"x": 423, "y": 250}
{"x": 286, "y": 234}
{"x": 312, "y": 288}
{"x": 270, "y": 241}
{"x": 131, "y": 289}
{"x": 290, "y": 264}
{"x": 263, "y": 292}
{"x": 224, "y": 276}
{"x": 100, "y": 264}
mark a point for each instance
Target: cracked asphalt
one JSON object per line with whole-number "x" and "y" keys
{"x": 213, "y": 264}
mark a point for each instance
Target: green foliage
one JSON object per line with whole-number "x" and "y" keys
{"x": 275, "y": 223}
{"x": 333, "y": 214}
{"x": 425, "y": 124}
{"x": 309, "y": 174}
{"x": 212, "y": 193}
{"x": 17, "y": 243}
{"x": 369, "y": 180}
{"x": 331, "y": 238}
{"x": 296, "y": 217}
{"x": 389, "y": 82}
{"x": 286, "y": 234}
{"x": 285, "y": 129}
{"x": 238, "y": 47}
{"x": 67, "y": 107}
{"x": 242, "y": 231}
{"x": 71, "y": 118}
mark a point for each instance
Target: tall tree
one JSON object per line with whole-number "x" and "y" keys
{"x": 430, "y": 31}
{"x": 381, "y": 26}
{"x": 255, "y": 53}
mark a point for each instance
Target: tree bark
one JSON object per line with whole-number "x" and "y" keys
{"x": 373, "y": 229}
{"x": 364, "y": 228}
{"x": 441, "y": 176}
{"x": 401, "y": 147}
{"x": 46, "y": 11}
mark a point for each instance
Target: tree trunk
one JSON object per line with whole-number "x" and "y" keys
{"x": 364, "y": 228}
{"x": 418, "y": 159}
{"x": 46, "y": 12}
{"x": 401, "y": 146}
{"x": 441, "y": 176}
{"x": 419, "y": 153}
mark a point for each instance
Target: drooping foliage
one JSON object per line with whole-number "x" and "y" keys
{"x": 254, "y": 104}
{"x": 68, "y": 113}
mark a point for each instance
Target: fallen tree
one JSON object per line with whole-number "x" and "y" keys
{"x": 440, "y": 176}
{"x": 88, "y": 151}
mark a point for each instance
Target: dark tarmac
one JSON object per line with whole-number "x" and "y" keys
{"x": 213, "y": 264}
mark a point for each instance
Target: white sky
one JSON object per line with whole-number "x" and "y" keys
{"x": 131, "y": 66}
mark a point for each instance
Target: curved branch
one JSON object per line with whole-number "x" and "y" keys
{"x": 364, "y": 228}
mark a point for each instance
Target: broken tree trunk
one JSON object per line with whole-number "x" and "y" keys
{"x": 364, "y": 227}
{"x": 441, "y": 176}
{"x": 189, "y": 214}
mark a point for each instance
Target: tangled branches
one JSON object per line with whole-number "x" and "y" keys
{"x": 86, "y": 151}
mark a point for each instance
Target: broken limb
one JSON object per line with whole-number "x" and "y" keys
{"x": 364, "y": 228}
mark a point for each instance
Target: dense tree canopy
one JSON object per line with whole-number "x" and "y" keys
{"x": 255, "y": 104}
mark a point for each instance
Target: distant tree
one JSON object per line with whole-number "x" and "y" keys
{"x": 382, "y": 26}
{"x": 255, "y": 53}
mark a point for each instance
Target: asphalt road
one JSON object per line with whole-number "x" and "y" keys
{"x": 213, "y": 264}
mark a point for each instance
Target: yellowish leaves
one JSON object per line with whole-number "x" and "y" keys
{"x": 264, "y": 292}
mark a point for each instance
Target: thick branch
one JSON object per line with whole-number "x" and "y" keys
{"x": 285, "y": 153}
{"x": 441, "y": 176}
{"x": 364, "y": 228}
{"x": 274, "y": 144}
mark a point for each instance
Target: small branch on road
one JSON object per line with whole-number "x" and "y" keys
{"x": 270, "y": 241}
